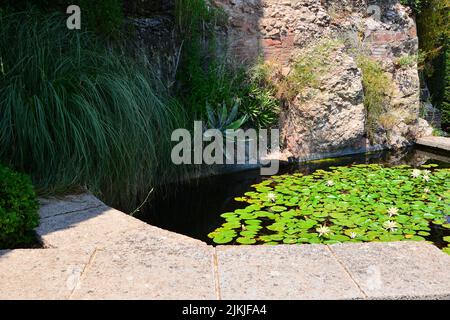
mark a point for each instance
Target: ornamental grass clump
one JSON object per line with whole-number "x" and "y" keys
{"x": 75, "y": 114}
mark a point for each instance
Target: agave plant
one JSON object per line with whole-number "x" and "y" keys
{"x": 222, "y": 119}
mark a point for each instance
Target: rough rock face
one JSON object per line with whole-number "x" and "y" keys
{"x": 335, "y": 119}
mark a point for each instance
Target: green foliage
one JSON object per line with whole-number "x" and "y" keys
{"x": 308, "y": 68}
{"x": 416, "y": 5}
{"x": 260, "y": 103}
{"x": 377, "y": 85}
{"x": 445, "y": 106}
{"x": 104, "y": 17}
{"x": 202, "y": 76}
{"x": 75, "y": 114}
{"x": 18, "y": 209}
{"x": 361, "y": 203}
{"x": 407, "y": 61}
{"x": 261, "y": 106}
{"x": 207, "y": 81}
{"x": 195, "y": 18}
{"x": 433, "y": 23}
{"x": 223, "y": 120}
{"x": 433, "y": 26}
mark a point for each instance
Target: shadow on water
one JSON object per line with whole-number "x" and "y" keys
{"x": 194, "y": 209}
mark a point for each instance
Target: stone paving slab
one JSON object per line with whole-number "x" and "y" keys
{"x": 283, "y": 272}
{"x": 100, "y": 253}
{"x": 94, "y": 228}
{"x": 53, "y": 206}
{"x": 435, "y": 142}
{"x": 142, "y": 266}
{"x": 397, "y": 270}
{"x": 40, "y": 273}
{"x": 89, "y": 229}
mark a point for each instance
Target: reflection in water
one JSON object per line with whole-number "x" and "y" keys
{"x": 194, "y": 209}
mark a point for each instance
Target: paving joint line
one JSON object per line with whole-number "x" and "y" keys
{"x": 78, "y": 210}
{"x": 83, "y": 272}
{"x": 347, "y": 272}
{"x": 216, "y": 275}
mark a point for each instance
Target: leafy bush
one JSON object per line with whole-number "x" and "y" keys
{"x": 18, "y": 209}
{"x": 75, "y": 114}
{"x": 433, "y": 25}
{"x": 105, "y": 16}
{"x": 445, "y": 106}
{"x": 203, "y": 76}
{"x": 416, "y": 5}
{"x": 260, "y": 103}
{"x": 377, "y": 85}
{"x": 407, "y": 61}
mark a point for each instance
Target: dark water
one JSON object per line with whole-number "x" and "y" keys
{"x": 194, "y": 209}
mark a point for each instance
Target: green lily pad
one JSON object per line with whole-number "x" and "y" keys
{"x": 245, "y": 240}
{"x": 222, "y": 239}
{"x": 364, "y": 203}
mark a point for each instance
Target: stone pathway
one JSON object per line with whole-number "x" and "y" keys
{"x": 95, "y": 252}
{"x": 442, "y": 143}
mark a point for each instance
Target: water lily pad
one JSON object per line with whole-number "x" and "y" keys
{"x": 278, "y": 208}
{"x": 363, "y": 203}
{"x": 245, "y": 240}
{"x": 222, "y": 239}
{"x": 290, "y": 240}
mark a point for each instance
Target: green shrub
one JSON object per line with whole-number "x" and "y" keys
{"x": 205, "y": 77}
{"x": 377, "y": 91}
{"x": 407, "y": 61}
{"x": 104, "y": 17}
{"x": 445, "y": 106}
{"x": 18, "y": 209}
{"x": 416, "y": 5}
{"x": 433, "y": 25}
{"x": 75, "y": 114}
{"x": 260, "y": 104}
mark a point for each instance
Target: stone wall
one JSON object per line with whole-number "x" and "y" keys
{"x": 153, "y": 24}
{"x": 280, "y": 30}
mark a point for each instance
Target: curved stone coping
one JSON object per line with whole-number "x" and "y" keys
{"x": 95, "y": 252}
{"x": 442, "y": 143}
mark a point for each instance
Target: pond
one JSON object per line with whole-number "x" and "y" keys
{"x": 384, "y": 196}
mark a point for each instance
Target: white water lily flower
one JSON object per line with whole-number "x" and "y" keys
{"x": 243, "y": 227}
{"x": 323, "y": 231}
{"x": 353, "y": 235}
{"x": 330, "y": 183}
{"x": 426, "y": 178}
{"x": 426, "y": 172}
{"x": 416, "y": 173}
{"x": 426, "y": 190}
{"x": 392, "y": 211}
{"x": 272, "y": 196}
{"x": 390, "y": 225}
